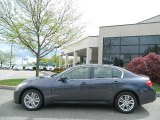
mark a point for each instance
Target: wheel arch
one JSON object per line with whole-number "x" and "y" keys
{"x": 29, "y": 88}
{"x": 131, "y": 91}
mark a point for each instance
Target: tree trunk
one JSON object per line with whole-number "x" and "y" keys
{"x": 11, "y": 56}
{"x": 37, "y": 65}
{"x": 1, "y": 64}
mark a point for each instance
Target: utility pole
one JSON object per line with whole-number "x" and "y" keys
{"x": 55, "y": 56}
{"x": 11, "y": 55}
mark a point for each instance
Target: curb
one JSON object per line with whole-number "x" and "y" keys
{"x": 14, "y": 87}
{"x": 158, "y": 95}
{"x": 7, "y": 87}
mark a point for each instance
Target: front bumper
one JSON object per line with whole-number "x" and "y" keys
{"x": 17, "y": 97}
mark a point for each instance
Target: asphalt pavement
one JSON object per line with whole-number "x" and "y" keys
{"x": 13, "y": 74}
{"x": 12, "y": 111}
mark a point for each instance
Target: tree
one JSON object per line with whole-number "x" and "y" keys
{"x": 54, "y": 60}
{"x": 39, "y": 25}
{"x": 155, "y": 49}
{"x": 147, "y": 65}
{"x": 4, "y": 58}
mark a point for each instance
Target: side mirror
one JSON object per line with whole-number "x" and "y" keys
{"x": 63, "y": 79}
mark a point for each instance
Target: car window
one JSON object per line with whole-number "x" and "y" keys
{"x": 80, "y": 73}
{"x": 116, "y": 73}
{"x": 102, "y": 72}
{"x": 107, "y": 72}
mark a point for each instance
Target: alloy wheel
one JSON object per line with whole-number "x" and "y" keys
{"x": 126, "y": 103}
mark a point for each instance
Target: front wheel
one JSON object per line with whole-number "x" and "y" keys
{"x": 126, "y": 102}
{"x": 32, "y": 99}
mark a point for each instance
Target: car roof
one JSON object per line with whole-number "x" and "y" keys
{"x": 98, "y": 65}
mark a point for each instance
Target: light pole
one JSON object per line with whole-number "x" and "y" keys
{"x": 11, "y": 55}
{"x": 55, "y": 56}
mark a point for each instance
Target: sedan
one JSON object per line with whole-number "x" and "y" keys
{"x": 104, "y": 84}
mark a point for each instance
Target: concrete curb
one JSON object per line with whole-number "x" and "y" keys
{"x": 7, "y": 87}
{"x": 158, "y": 95}
{"x": 14, "y": 87}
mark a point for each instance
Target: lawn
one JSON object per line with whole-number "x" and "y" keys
{"x": 156, "y": 87}
{"x": 11, "y": 82}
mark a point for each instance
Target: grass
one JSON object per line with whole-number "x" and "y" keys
{"x": 11, "y": 82}
{"x": 156, "y": 87}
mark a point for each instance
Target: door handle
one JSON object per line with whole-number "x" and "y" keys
{"x": 83, "y": 83}
{"x": 116, "y": 82}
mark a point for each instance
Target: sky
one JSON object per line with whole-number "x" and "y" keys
{"x": 96, "y": 13}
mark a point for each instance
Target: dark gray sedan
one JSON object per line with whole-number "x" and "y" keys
{"x": 87, "y": 84}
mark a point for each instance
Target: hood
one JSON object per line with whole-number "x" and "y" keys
{"x": 38, "y": 81}
{"x": 38, "y": 78}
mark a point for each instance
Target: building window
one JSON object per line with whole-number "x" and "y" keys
{"x": 126, "y": 48}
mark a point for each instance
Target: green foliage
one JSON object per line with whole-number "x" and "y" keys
{"x": 54, "y": 60}
{"x": 11, "y": 82}
{"x": 58, "y": 70}
{"x": 4, "y": 58}
{"x": 118, "y": 62}
{"x": 156, "y": 87}
{"x": 155, "y": 49}
{"x": 39, "y": 25}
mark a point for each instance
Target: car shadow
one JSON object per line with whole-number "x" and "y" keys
{"x": 71, "y": 111}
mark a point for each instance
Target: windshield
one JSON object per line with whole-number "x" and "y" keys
{"x": 60, "y": 74}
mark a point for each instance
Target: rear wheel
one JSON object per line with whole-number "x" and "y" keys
{"x": 32, "y": 99}
{"x": 126, "y": 102}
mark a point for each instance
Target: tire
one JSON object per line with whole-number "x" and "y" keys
{"x": 32, "y": 100}
{"x": 125, "y": 102}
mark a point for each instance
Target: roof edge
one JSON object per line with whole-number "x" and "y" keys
{"x": 149, "y": 19}
{"x": 127, "y": 24}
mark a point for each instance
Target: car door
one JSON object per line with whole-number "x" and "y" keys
{"x": 74, "y": 87}
{"x": 104, "y": 83}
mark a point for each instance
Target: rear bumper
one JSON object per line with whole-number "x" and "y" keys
{"x": 147, "y": 96}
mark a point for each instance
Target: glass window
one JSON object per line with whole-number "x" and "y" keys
{"x": 150, "y": 40}
{"x": 80, "y": 73}
{"x": 106, "y": 41}
{"x": 129, "y": 40}
{"x": 148, "y": 48}
{"x": 102, "y": 72}
{"x": 115, "y": 49}
{"x": 115, "y": 41}
{"x": 117, "y": 73}
{"x": 129, "y": 49}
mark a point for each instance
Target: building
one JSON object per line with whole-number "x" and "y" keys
{"x": 118, "y": 42}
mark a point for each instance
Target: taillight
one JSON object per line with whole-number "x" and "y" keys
{"x": 149, "y": 83}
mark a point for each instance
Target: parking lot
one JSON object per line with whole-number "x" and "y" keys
{"x": 12, "y": 111}
{"x": 13, "y": 74}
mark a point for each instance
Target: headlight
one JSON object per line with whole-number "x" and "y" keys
{"x": 21, "y": 84}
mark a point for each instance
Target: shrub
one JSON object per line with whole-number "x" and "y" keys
{"x": 147, "y": 65}
{"x": 58, "y": 70}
